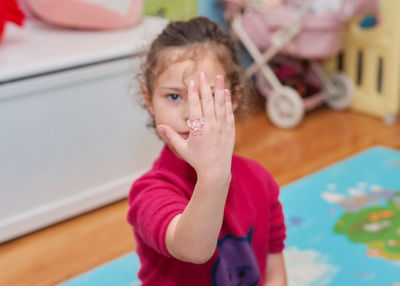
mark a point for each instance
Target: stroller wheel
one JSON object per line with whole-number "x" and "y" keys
{"x": 285, "y": 107}
{"x": 341, "y": 93}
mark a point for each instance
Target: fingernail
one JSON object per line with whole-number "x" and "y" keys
{"x": 203, "y": 77}
{"x": 192, "y": 85}
{"x": 219, "y": 81}
{"x": 227, "y": 92}
{"x": 161, "y": 130}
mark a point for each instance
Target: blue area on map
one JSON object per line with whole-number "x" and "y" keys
{"x": 377, "y": 166}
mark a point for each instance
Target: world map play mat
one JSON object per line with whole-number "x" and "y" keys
{"x": 344, "y": 222}
{"x": 343, "y": 227}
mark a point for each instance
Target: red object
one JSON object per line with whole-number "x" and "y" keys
{"x": 10, "y": 12}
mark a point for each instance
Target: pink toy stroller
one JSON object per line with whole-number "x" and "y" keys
{"x": 295, "y": 28}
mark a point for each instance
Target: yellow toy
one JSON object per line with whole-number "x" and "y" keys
{"x": 372, "y": 60}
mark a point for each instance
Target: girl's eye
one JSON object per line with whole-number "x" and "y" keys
{"x": 174, "y": 96}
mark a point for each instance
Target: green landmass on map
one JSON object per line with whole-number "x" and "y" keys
{"x": 378, "y": 227}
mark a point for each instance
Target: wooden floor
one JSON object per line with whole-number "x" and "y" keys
{"x": 62, "y": 251}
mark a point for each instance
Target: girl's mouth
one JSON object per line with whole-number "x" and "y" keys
{"x": 184, "y": 135}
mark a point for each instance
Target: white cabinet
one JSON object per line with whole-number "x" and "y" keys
{"x": 73, "y": 136}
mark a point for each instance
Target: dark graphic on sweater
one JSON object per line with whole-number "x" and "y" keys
{"x": 236, "y": 263}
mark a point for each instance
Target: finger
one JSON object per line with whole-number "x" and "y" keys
{"x": 207, "y": 101}
{"x": 172, "y": 139}
{"x": 230, "y": 119}
{"x": 194, "y": 104}
{"x": 219, "y": 98}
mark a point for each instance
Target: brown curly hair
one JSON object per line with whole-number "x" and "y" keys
{"x": 197, "y": 35}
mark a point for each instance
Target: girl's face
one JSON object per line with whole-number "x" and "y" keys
{"x": 168, "y": 103}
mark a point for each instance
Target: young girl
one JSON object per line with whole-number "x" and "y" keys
{"x": 201, "y": 215}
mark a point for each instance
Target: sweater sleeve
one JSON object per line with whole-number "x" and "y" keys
{"x": 154, "y": 202}
{"x": 277, "y": 231}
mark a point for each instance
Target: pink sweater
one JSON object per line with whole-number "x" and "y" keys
{"x": 253, "y": 224}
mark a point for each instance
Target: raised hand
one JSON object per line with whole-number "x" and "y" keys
{"x": 209, "y": 147}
